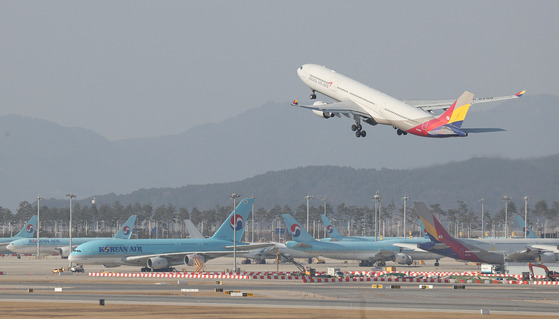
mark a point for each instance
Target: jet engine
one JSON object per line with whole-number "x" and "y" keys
{"x": 319, "y": 113}
{"x": 190, "y": 260}
{"x": 403, "y": 259}
{"x": 157, "y": 263}
{"x": 64, "y": 251}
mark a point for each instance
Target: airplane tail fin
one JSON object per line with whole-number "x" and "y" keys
{"x": 522, "y": 223}
{"x": 28, "y": 230}
{"x": 126, "y": 230}
{"x": 426, "y": 218}
{"x": 330, "y": 229}
{"x": 422, "y": 227}
{"x": 294, "y": 228}
{"x": 226, "y": 231}
{"x": 456, "y": 114}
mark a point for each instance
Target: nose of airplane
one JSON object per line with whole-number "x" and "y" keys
{"x": 10, "y": 247}
{"x": 300, "y": 71}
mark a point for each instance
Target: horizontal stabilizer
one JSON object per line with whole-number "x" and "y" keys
{"x": 482, "y": 130}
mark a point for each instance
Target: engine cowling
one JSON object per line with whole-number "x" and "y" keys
{"x": 319, "y": 113}
{"x": 157, "y": 263}
{"x": 190, "y": 260}
{"x": 403, "y": 259}
{"x": 64, "y": 252}
{"x": 548, "y": 258}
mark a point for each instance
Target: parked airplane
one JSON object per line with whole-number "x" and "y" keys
{"x": 28, "y": 231}
{"x": 490, "y": 250}
{"x": 368, "y": 252}
{"x": 373, "y": 107}
{"x": 522, "y": 223}
{"x": 156, "y": 254}
{"x": 62, "y": 245}
{"x": 335, "y": 235}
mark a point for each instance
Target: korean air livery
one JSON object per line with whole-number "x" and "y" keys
{"x": 28, "y": 231}
{"x": 158, "y": 254}
{"x": 360, "y": 102}
{"x": 62, "y": 245}
{"x": 367, "y": 252}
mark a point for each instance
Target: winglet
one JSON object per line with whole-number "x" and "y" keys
{"x": 519, "y": 94}
{"x": 295, "y": 103}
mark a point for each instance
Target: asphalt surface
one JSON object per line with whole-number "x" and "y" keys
{"x": 23, "y": 274}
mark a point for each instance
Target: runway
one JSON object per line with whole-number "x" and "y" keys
{"x": 29, "y": 273}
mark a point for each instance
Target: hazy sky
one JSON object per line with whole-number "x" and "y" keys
{"x": 148, "y": 68}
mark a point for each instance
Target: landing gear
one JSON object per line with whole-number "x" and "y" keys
{"x": 436, "y": 263}
{"x": 357, "y": 128}
{"x": 400, "y": 132}
{"x": 313, "y": 95}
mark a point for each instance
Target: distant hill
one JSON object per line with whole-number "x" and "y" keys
{"x": 469, "y": 180}
{"x": 39, "y": 157}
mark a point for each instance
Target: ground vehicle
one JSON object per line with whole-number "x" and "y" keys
{"x": 76, "y": 268}
{"x": 550, "y": 274}
{"x": 335, "y": 272}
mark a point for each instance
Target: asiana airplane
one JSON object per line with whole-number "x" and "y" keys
{"x": 362, "y": 102}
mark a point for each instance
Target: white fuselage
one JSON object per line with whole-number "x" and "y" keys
{"x": 383, "y": 108}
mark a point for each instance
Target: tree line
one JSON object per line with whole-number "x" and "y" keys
{"x": 167, "y": 221}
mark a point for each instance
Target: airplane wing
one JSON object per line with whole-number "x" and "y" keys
{"x": 337, "y": 108}
{"x": 430, "y": 105}
{"x": 550, "y": 248}
{"x": 412, "y": 247}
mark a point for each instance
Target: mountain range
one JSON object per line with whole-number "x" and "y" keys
{"x": 38, "y": 157}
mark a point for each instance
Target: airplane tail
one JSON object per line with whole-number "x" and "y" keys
{"x": 299, "y": 233}
{"x": 28, "y": 230}
{"x": 126, "y": 230}
{"x": 456, "y": 114}
{"x": 330, "y": 229}
{"x": 226, "y": 231}
{"x": 422, "y": 227}
{"x": 426, "y": 219}
{"x": 522, "y": 223}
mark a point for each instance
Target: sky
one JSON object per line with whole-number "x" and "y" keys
{"x": 130, "y": 69}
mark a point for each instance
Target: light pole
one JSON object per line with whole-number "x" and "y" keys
{"x": 482, "y": 222}
{"x": 324, "y": 200}
{"x": 405, "y": 198}
{"x": 234, "y": 197}
{"x": 308, "y": 197}
{"x": 70, "y": 196}
{"x": 506, "y": 199}
{"x": 38, "y": 225}
{"x": 377, "y": 199}
{"x": 526, "y": 199}
{"x": 252, "y": 225}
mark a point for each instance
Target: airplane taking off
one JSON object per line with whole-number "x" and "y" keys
{"x": 28, "y": 231}
{"x": 62, "y": 245}
{"x": 157, "y": 254}
{"x": 374, "y": 107}
{"x": 491, "y": 251}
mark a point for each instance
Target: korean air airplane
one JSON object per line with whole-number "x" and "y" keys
{"x": 366, "y": 251}
{"x": 28, "y": 231}
{"x": 156, "y": 254}
{"x": 62, "y": 245}
{"x": 488, "y": 250}
{"x": 522, "y": 223}
{"x": 360, "y": 102}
